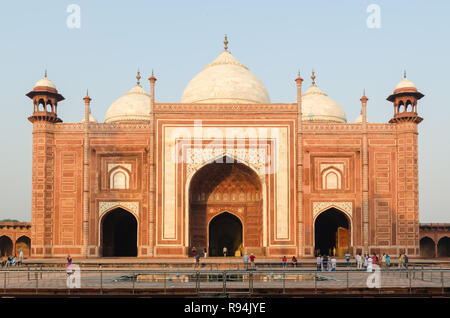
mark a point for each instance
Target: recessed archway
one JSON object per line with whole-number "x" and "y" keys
{"x": 225, "y": 230}
{"x": 226, "y": 185}
{"x": 6, "y": 246}
{"x": 427, "y": 247}
{"x": 332, "y": 233}
{"x": 23, "y": 243}
{"x": 444, "y": 247}
{"x": 119, "y": 234}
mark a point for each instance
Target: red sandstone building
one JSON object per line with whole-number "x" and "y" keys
{"x": 226, "y": 167}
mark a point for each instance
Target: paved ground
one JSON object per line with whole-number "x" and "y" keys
{"x": 172, "y": 279}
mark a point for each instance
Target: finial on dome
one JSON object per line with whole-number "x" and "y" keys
{"x": 313, "y": 77}
{"x": 87, "y": 92}
{"x": 226, "y": 42}
{"x": 404, "y": 74}
{"x": 138, "y": 77}
{"x": 45, "y": 73}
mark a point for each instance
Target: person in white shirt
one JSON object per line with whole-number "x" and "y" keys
{"x": 358, "y": 261}
{"x": 333, "y": 264}
{"x": 319, "y": 263}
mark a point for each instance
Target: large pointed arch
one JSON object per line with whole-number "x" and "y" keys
{"x": 225, "y": 185}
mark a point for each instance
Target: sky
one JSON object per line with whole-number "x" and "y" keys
{"x": 350, "y": 45}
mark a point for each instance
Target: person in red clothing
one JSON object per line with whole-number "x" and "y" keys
{"x": 252, "y": 260}
{"x": 294, "y": 261}
{"x": 284, "y": 260}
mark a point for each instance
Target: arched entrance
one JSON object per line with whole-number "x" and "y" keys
{"x": 225, "y": 230}
{"x": 444, "y": 247}
{"x": 23, "y": 243}
{"x": 6, "y": 246}
{"x": 226, "y": 185}
{"x": 427, "y": 247}
{"x": 119, "y": 234}
{"x": 332, "y": 233}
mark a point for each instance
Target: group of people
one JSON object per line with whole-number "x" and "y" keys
{"x": 12, "y": 260}
{"x": 325, "y": 263}
{"x": 384, "y": 261}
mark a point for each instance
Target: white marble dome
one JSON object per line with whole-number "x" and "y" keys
{"x": 133, "y": 106}
{"x": 45, "y": 82}
{"x": 405, "y": 83}
{"x": 317, "y": 106}
{"x": 225, "y": 80}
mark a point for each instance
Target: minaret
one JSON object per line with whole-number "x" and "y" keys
{"x": 365, "y": 178}
{"x": 151, "y": 166}
{"x": 406, "y": 120}
{"x": 300, "y": 225}
{"x": 87, "y": 102}
{"x": 45, "y": 98}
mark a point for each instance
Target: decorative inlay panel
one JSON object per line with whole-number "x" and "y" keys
{"x": 321, "y": 206}
{"x": 132, "y": 207}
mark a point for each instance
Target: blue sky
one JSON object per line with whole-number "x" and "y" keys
{"x": 274, "y": 39}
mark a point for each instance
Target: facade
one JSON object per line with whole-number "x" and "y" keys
{"x": 226, "y": 167}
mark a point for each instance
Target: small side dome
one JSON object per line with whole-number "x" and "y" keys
{"x": 91, "y": 119}
{"x": 405, "y": 83}
{"x": 45, "y": 82}
{"x": 133, "y": 106}
{"x": 317, "y": 106}
{"x": 358, "y": 119}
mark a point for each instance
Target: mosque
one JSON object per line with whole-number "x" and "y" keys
{"x": 225, "y": 167}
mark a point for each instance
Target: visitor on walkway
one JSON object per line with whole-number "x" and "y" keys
{"x": 383, "y": 261}
{"x": 252, "y": 260}
{"x": 400, "y": 261}
{"x": 205, "y": 253}
{"x": 197, "y": 259}
{"x": 388, "y": 261}
{"x": 319, "y": 263}
{"x": 324, "y": 262}
{"x": 69, "y": 266}
{"x": 347, "y": 258}
{"x": 246, "y": 260}
{"x": 224, "y": 251}
{"x": 13, "y": 260}
{"x": 20, "y": 257}
{"x": 194, "y": 251}
{"x": 366, "y": 261}
{"x": 359, "y": 261}
{"x": 329, "y": 264}
{"x": 333, "y": 264}
{"x": 294, "y": 261}
{"x": 284, "y": 261}
{"x": 406, "y": 261}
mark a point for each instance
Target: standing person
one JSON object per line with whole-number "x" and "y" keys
{"x": 383, "y": 261}
{"x": 204, "y": 252}
{"x": 224, "y": 251}
{"x": 294, "y": 261}
{"x": 319, "y": 263}
{"x": 347, "y": 258}
{"x": 194, "y": 251}
{"x": 324, "y": 262}
{"x": 13, "y": 260}
{"x": 400, "y": 261}
{"x": 406, "y": 261}
{"x": 388, "y": 261}
{"x": 197, "y": 259}
{"x": 284, "y": 261}
{"x": 20, "y": 257}
{"x": 359, "y": 261}
{"x": 246, "y": 260}
{"x": 366, "y": 261}
{"x": 333, "y": 264}
{"x": 252, "y": 260}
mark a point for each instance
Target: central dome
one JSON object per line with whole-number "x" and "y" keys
{"x": 225, "y": 80}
